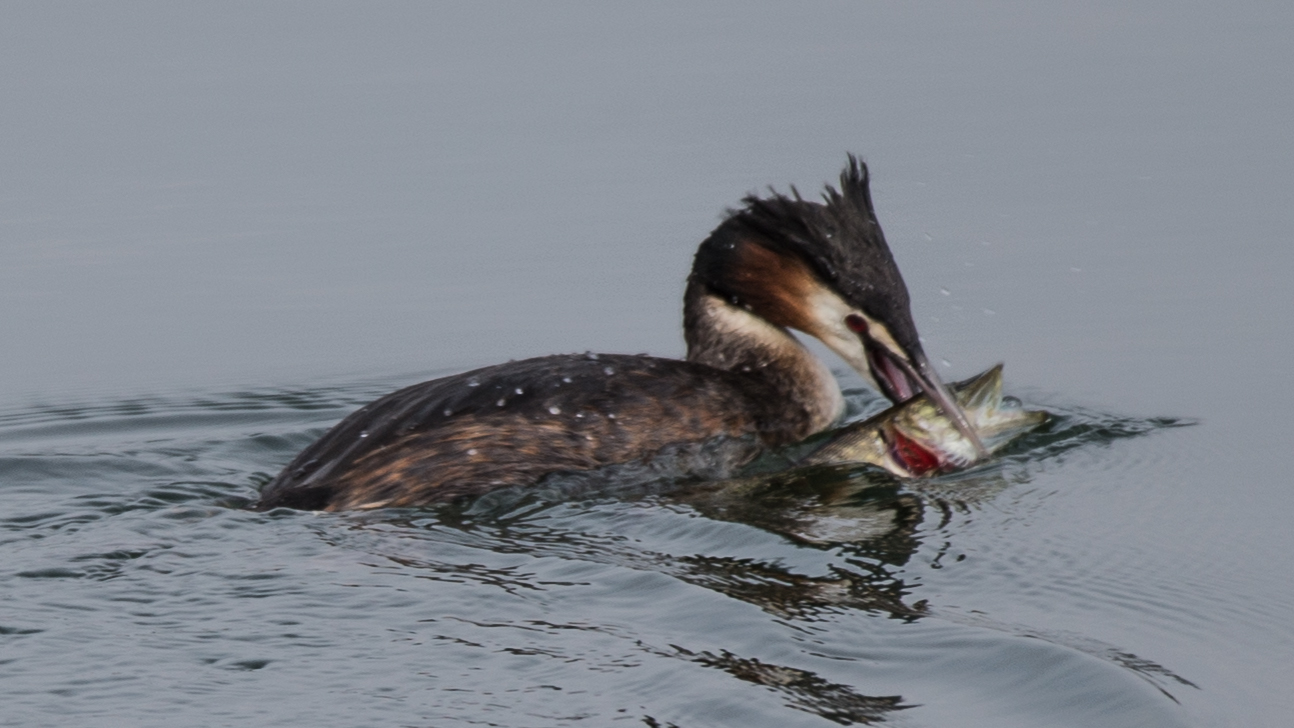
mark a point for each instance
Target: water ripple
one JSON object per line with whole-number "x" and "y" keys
{"x": 795, "y": 597}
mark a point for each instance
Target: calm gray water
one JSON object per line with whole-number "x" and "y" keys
{"x": 222, "y": 228}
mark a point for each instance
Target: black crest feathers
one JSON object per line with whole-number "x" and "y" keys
{"x": 840, "y": 239}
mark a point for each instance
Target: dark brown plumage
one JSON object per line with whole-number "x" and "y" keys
{"x": 512, "y": 424}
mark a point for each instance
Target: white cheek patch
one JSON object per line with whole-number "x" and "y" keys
{"x": 829, "y": 314}
{"x": 744, "y": 325}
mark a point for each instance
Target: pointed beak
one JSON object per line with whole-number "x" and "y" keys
{"x": 937, "y": 391}
{"x": 896, "y": 374}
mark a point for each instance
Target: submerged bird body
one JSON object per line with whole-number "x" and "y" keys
{"x": 780, "y": 263}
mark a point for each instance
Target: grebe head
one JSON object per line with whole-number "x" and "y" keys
{"x": 826, "y": 270}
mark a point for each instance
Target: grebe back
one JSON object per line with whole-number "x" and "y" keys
{"x": 776, "y": 264}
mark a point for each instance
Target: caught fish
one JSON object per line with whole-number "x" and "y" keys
{"x": 916, "y": 438}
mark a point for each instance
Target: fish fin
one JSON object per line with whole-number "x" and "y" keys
{"x": 984, "y": 392}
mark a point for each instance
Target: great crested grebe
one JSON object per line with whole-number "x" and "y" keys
{"x": 776, "y": 264}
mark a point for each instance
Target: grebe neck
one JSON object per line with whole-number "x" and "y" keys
{"x": 727, "y": 336}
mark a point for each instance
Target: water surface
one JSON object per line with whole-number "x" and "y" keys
{"x": 834, "y": 594}
{"x": 223, "y": 228}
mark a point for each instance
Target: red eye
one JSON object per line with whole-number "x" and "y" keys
{"x": 856, "y": 323}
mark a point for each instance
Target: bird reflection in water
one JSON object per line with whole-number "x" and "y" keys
{"x": 874, "y": 522}
{"x": 866, "y": 516}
